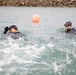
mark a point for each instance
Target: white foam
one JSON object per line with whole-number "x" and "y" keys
{"x": 50, "y": 45}
{"x": 56, "y": 67}
{"x": 1, "y": 69}
{"x": 4, "y": 62}
{"x": 19, "y": 60}
{"x": 30, "y": 53}
{"x": 12, "y": 69}
{"x": 68, "y": 59}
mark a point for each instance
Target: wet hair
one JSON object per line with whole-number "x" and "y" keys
{"x": 13, "y": 27}
{"x": 6, "y": 30}
{"x": 68, "y": 24}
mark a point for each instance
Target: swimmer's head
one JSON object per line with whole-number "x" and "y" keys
{"x": 68, "y": 24}
{"x": 13, "y": 28}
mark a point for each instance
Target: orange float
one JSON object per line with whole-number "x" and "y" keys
{"x": 35, "y": 18}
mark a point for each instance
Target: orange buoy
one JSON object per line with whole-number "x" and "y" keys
{"x": 35, "y": 18}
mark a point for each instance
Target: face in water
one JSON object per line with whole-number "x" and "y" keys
{"x": 13, "y": 30}
{"x": 68, "y": 27}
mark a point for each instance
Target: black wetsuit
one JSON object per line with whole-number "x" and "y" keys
{"x": 15, "y": 35}
{"x": 70, "y": 31}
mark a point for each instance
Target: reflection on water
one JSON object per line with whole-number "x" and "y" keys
{"x": 46, "y": 51}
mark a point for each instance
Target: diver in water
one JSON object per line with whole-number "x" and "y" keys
{"x": 68, "y": 28}
{"x": 12, "y": 31}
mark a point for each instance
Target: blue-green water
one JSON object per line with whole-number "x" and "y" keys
{"x": 47, "y": 51}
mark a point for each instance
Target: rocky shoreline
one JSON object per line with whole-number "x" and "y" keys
{"x": 37, "y": 3}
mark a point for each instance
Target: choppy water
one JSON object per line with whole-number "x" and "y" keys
{"x": 46, "y": 51}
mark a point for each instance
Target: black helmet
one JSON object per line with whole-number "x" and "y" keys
{"x": 14, "y": 27}
{"x": 68, "y": 24}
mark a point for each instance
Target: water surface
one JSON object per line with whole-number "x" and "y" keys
{"x": 47, "y": 51}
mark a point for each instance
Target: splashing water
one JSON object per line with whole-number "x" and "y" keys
{"x": 46, "y": 51}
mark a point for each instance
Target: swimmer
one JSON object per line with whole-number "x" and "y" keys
{"x": 12, "y": 31}
{"x": 68, "y": 28}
